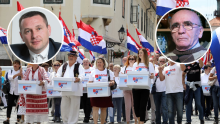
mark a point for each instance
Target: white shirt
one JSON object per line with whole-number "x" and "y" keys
{"x": 141, "y": 67}
{"x": 69, "y": 73}
{"x": 129, "y": 68}
{"x": 100, "y": 76}
{"x": 13, "y": 82}
{"x": 213, "y": 71}
{"x": 204, "y": 78}
{"x": 38, "y": 58}
{"x": 173, "y": 78}
{"x": 52, "y": 75}
{"x": 160, "y": 85}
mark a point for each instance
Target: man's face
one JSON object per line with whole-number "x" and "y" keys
{"x": 186, "y": 39}
{"x": 16, "y": 66}
{"x": 111, "y": 67}
{"x": 72, "y": 58}
{"x": 35, "y": 33}
{"x": 85, "y": 63}
{"x": 208, "y": 70}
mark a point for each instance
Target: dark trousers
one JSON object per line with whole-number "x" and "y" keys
{"x": 123, "y": 109}
{"x": 86, "y": 105}
{"x": 57, "y": 102}
{"x": 207, "y": 109}
{"x": 11, "y": 100}
{"x": 140, "y": 98}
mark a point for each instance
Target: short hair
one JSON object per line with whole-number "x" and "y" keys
{"x": 162, "y": 57}
{"x": 31, "y": 14}
{"x": 16, "y": 62}
{"x": 44, "y": 65}
{"x": 103, "y": 60}
{"x": 86, "y": 59}
{"x": 206, "y": 67}
{"x": 117, "y": 66}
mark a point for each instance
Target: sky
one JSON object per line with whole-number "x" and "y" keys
{"x": 206, "y": 7}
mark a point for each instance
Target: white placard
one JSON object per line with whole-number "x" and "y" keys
{"x": 98, "y": 89}
{"x": 29, "y": 87}
{"x": 138, "y": 80}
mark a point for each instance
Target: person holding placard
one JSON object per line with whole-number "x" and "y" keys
{"x": 103, "y": 76}
{"x": 214, "y": 92}
{"x": 160, "y": 98}
{"x": 128, "y": 96}
{"x": 13, "y": 75}
{"x": 141, "y": 96}
{"x": 117, "y": 102}
{"x": 85, "y": 100}
{"x": 57, "y": 101}
{"x": 36, "y": 105}
{"x": 70, "y": 104}
{"x": 172, "y": 75}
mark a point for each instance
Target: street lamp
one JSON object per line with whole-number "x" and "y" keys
{"x": 121, "y": 34}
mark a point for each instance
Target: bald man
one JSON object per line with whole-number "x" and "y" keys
{"x": 186, "y": 29}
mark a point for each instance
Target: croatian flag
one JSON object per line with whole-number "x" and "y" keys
{"x": 215, "y": 47}
{"x": 81, "y": 57}
{"x": 207, "y": 57}
{"x": 164, "y": 6}
{"x": 132, "y": 44}
{"x": 90, "y": 39}
{"x": 92, "y": 57}
{"x": 69, "y": 40}
{"x": 3, "y": 36}
{"x": 145, "y": 43}
{"x": 19, "y": 6}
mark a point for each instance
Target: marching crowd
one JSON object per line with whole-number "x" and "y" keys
{"x": 174, "y": 87}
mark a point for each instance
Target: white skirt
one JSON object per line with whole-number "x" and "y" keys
{"x": 36, "y": 118}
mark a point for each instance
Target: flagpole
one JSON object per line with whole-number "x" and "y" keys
{"x": 7, "y": 53}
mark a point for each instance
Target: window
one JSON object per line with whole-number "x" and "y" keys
{"x": 133, "y": 12}
{"x": 141, "y": 19}
{"x": 53, "y": 1}
{"x": 123, "y": 8}
{"x": 4, "y": 1}
{"x": 107, "y": 2}
{"x": 138, "y": 16}
{"x": 144, "y": 21}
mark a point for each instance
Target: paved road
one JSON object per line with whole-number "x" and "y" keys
{"x": 195, "y": 119}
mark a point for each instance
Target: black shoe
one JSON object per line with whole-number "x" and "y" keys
{"x": 153, "y": 123}
{"x": 5, "y": 107}
{"x": 196, "y": 112}
{"x": 6, "y": 122}
{"x": 188, "y": 123}
{"x": 86, "y": 120}
{"x": 57, "y": 120}
{"x": 202, "y": 122}
{"x": 216, "y": 120}
{"x": 207, "y": 118}
{"x": 124, "y": 119}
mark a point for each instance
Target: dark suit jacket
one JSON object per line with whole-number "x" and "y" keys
{"x": 21, "y": 50}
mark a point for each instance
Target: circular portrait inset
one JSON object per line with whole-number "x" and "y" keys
{"x": 183, "y": 35}
{"x": 35, "y": 35}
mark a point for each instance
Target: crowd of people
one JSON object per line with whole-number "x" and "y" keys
{"x": 177, "y": 85}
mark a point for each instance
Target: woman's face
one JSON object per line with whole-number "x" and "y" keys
{"x": 100, "y": 64}
{"x": 141, "y": 54}
{"x": 131, "y": 60}
{"x": 116, "y": 70}
{"x": 56, "y": 66}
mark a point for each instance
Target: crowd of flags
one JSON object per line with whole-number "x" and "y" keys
{"x": 90, "y": 39}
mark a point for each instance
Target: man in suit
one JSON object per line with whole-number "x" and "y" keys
{"x": 35, "y": 32}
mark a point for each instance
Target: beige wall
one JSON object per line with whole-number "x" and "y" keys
{"x": 95, "y": 12}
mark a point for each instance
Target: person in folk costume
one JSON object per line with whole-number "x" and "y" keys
{"x": 36, "y": 105}
{"x": 70, "y": 103}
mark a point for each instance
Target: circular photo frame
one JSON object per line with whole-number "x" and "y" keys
{"x": 183, "y": 35}
{"x": 35, "y": 35}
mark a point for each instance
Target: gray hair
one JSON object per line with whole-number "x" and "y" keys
{"x": 162, "y": 57}
{"x": 118, "y": 66}
{"x": 86, "y": 59}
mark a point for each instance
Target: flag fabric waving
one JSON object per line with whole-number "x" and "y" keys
{"x": 128, "y": 53}
{"x": 3, "y": 36}
{"x": 164, "y": 6}
{"x": 132, "y": 44}
{"x": 81, "y": 56}
{"x": 215, "y": 46}
{"x": 19, "y": 7}
{"x": 207, "y": 57}
{"x": 90, "y": 39}
{"x": 92, "y": 57}
{"x": 145, "y": 43}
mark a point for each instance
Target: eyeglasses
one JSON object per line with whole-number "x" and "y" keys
{"x": 56, "y": 65}
{"x": 186, "y": 25}
{"x": 131, "y": 59}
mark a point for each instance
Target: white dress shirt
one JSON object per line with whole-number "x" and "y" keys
{"x": 13, "y": 82}
{"x": 70, "y": 74}
{"x": 38, "y": 58}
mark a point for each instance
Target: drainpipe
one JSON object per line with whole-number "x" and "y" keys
{"x": 147, "y": 18}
